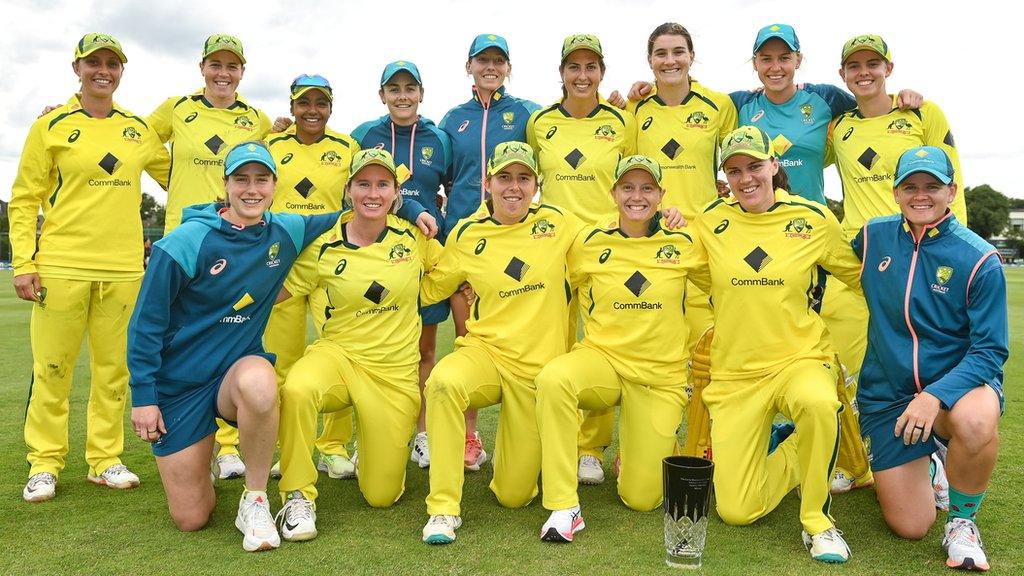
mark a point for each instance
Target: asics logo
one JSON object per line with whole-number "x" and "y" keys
{"x": 884, "y": 263}
{"x": 218, "y": 266}
{"x": 757, "y": 116}
{"x": 463, "y": 126}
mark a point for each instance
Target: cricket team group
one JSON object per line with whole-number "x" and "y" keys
{"x": 590, "y": 257}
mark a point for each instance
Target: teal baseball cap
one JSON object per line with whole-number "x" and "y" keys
{"x": 485, "y": 41}
{"x": 783, "y": 32}
{"x": 246, "y": 152}
{"x": 306, "y": 82}
{"x": 398, "y": 66}
{"x": 929, "y": 159}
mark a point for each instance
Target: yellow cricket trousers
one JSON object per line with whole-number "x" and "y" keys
{"x": 749, "y": 483}
{"x": 846, "y": 315}
{"x": 285, "y": 336}
{"x": 596, "y": 429}
{"x": 71, "y": 309}
{"x": 469, "y": 378}
{"x": 326, "y": 380}
{"x": 650, "y": 415}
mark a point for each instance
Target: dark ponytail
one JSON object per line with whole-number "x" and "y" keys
{"x": 781, "y": 179}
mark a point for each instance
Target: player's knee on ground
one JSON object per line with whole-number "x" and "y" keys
{"x": 640, "y": 497}
{"x": 909, "y": 526}
{"x": 191, "y": 519}
{"x": 735, "y": 512}
{"x": 381, "y": 494}
{"x": 511, "y": 496}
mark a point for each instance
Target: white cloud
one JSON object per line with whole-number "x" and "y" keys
{"x": 961, "y": 56}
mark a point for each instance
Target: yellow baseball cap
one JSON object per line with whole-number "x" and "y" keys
{"x": 749, "y": 141}
{"x": 581, "y": 42}
{"x": 638, "y": 162}
{"x": 508, "y": 153}
{"x": 377, "y": 156}
{"x": 872, "y": 42}
{"x": 218, "y": 42}
{"x": 94, "y": 41}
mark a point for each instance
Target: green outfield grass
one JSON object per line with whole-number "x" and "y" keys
{"x": 93, "y": 530}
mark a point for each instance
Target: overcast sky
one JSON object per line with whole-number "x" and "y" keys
{"x": 965, "y": 56}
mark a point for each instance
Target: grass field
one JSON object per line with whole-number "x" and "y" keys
{"x": 93, "y": 530}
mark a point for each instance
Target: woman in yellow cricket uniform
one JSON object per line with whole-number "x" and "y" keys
{"x": 82, "y": 164}
{"x": 369, "y": 268}
{"x": 313, "y": 166}
{"x": 771, "y": 352}
{"x": 681, "y": 126}
{"x": 513, "y": 253}
{"x": 201, "y": 127}
{"x": 630, "y": 274}
{"x": 579, "y": 140}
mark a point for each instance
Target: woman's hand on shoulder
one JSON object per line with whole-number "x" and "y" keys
{"x": 673, "y": 218}
{"x": 427, "y": 224}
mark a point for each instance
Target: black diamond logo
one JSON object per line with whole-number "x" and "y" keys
{"x": 110, "y": 163}
{"x": 637, "y": 283}
{"x": 516, "y": 268}
{"x": 757, "y": 259}
{"x": 575, "y": 158}
{"x": 868, "y": 158}
{"x": 376, "y": 293}
{"x": 305, "y": 187}
{"x": 671, "y": 148}
{"x": 215, "y": 144}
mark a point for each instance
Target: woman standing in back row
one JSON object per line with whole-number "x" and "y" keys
{"x": 475, "y": 128}
{"x": 201, "y": 127}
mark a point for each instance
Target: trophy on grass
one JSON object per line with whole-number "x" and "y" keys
{"x": 687, "y": 484}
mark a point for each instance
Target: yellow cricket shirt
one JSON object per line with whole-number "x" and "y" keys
{"x": 867, "y": 149}
{"x": 577, "y": 156}
{"x": 200, "y": 137}
{"x": 85, "y": 173}
{"x": 631, "y": 294}
{"x": 764, "y": 268}
{"x": 311, "y": 180}
{"x": 685, "y": 139}
{"x": 518, "y": 271}
{"x": 372, "y": 295}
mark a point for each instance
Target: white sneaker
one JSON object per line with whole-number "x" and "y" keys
{"x": 964, "y": 549}
{"x": 827, "y": 546}
{"x": 441, "y": 529}
{"x": 256, "y": 523}
{"x": 336, "y": 466}
{"x": 939, "y": 483}
{"x": 590, "y": 470}
{"x": 275, "y": 470}
{"x": 117, "y": 476}
{"x": 562, "y": 525}
{"x": 297, "y": 518}
{"x": 843, "y": 481}
{"x": 40, "y": 487}
{"x": 230, "y": 466}
{"x": 420, "y": 453}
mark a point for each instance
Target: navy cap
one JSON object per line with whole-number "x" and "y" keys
{"x": 247, "y": 152}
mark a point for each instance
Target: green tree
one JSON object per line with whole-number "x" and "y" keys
{"x": 1016, "y": 203}
{"x": 152, "y": 212}
{"x": 988, "y": 210}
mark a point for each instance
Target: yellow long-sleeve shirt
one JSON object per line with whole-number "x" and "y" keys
{"x": 85, "y": 173}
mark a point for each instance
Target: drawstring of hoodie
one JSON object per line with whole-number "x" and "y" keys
{"x": 412, "y": 144}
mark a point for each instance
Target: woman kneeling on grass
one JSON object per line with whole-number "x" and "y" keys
{"x": 195, "y": 348}
{"x": 934, "y": 363}
{"x": 631, "y": 277}
{"x": 369, "y": 270}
